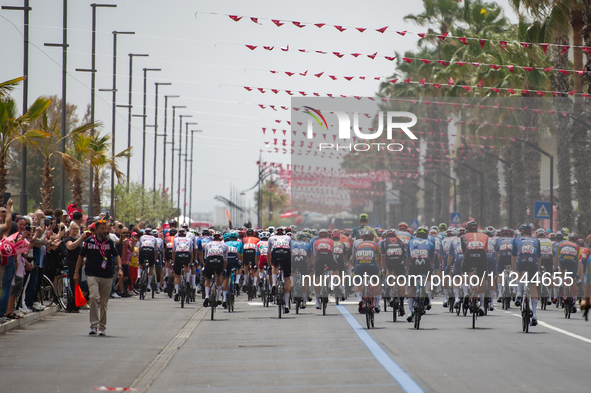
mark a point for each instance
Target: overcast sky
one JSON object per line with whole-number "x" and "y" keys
{"x": 205, "y": 58}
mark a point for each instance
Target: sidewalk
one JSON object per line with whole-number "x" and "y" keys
{"x": 29, "y": 318}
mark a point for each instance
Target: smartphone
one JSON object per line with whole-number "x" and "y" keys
{"x": 55, "y": 230}
{"x": 46, "y": 222}
{"x": 28, "y": 228}
{"x": 63, "y": 229}
{"x": 120, "y": 226}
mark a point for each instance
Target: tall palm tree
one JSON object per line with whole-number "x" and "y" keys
{"x": 100, "y": 157}
{"x": 16, "y": 129}
{"x": 8, "y": 86}
{"x": 50, "y": 146}
{"x": 79, "y": 151}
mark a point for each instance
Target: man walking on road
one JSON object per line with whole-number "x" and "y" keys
{"x": 100, "y": 253}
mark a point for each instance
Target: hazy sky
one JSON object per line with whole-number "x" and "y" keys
{"x": 205, "y": 58}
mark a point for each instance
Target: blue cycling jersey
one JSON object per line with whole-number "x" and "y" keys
{"x": 526, "y": 249}
{"x": 234, "y": 250}
{"x": 301, "y": 248}
{"x": 420, "y": 250}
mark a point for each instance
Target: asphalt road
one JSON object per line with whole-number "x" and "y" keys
{"x": 156, "y": 346}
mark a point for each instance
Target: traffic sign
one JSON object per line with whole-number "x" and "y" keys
{"x": 541, "y": 210}
{"x": 456, "y": 218}
{"x": 414, "y": 224}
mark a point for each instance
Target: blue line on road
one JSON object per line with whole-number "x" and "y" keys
{"x": 405, "y": 381}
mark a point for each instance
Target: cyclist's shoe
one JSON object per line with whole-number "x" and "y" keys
{"x": 548, "y": 302}
{"x": 445, "y": 304}
{"x": 401, "y": 310}
{"x": 534, "y": 321}
{"x": 157, "y": 290}
{"x": 259, "y": 292}
{"x": 391, "y": 303}
{"x": 286, "y": 310}
{"x": 428, "y": 307}
{"x": 206, "y": 302}
{"x": 574, "y": 310}
{"x": 554, "y": 300}
{"x": 518, "y": 301}
{"x": 491, "y": 307}
{"x": 224, "y": 304}
{"x": 198, "y": 288}
{"x": 457, "y": 304}
{"x": 342, "y": 298}
{"x": 410, "y": 317}
{"x": 148, "y": 289}
{"x": 309, "y": 298}
{"x": 500, "y": 299}
{"x": 480, "y": 311}
{"x": 377, "y": 309}
{"x": 237, "y": 288}
{"x": 136, "y": 284}
{"x": 274, "y": 290}
{"x": 360, "y": 309}
{"x": 318, "y": 304}
{"x": 176, "y": 297}
{"x": 303, "y": 303}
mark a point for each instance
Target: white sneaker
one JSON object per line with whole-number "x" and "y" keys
{"x": 26, "y": 310}
{"x": 115, "y": 295}
{"x": 38, "y": 306}
{"x": 102, "y": 332}
{"x": 19, "y": 313}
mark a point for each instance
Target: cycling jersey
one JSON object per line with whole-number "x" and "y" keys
{"x": 348, "y": 245}
{"x": 393, "y": 252}
{"x": 281, "y": 244}
{"x": 300, "y": 252}
{"x": 168, "y": 241}
{"x": 183, "y": 249}
{"x": 457, "y": 254}
{"x": 182, "y": 244}
{"x": 280, "y": 247}
{"x": 446, "y": 245}
{"x": 355, "y": 231}
{"x": 527, "y": 251}
{"x": 365, "y": 255}
{"x": 148, "y": 241}
{"x": 547, "y": 254}
{"x": 338, "y": 252}
{"x": 250, "y": 249}
{"x": 420, "y": 253}
{"x": 568, "y": 256}
{"x": 438, "y": 250}
{"x": 216, "y": 250}
{"x": 323, "y": 251}
{"x": 201, "y": 241}
{"x": 261, "y": 252}
{"x": 323, "y": 246}
{"x": 404, "y": 236}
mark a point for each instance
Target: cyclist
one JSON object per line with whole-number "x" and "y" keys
{"x": 249, "y": 242}
{"x": 365, "y": 258}
{"x": 393, "y": 253}
{"x": 160, "y": 258}
{"x": 148, "y": 256}
{"x": 567, "y": 258}
{"x": 322, "y": 250}
{"x": 403, "y": 233}
{"x": 491, "y": 261}
{"x": 234, "y": 261}
{"x": 526, "y": 252}
{"x": 279, "y": 254}
{"x": 547, "y": 258}
{"x": 443, "y": 230}
{"x": 504, "y": 255}
{"x": 339, "y": 255}
{"x": 434, "y": 237}
{"x": 261, "y": 257}
{"x": 168, "y": 241}
{"x": 215, "y": 260}
{"x": 182, "y": 255}
{"x": 474, "y": 246}
{"x": 363, "y": 220}
{"x": 301, "y": 254}
{"x": 454, "y": 263}
{"x": 446, "y": 246}
{"x": 420, "y": 254}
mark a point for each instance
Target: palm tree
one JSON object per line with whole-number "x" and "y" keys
{"x": 100, "y": 157}
{"x": 79, "y": 151}
{"x": 8, "y": 86}
{"x": 16, "y": 129}
{"x": 50, "y": 146}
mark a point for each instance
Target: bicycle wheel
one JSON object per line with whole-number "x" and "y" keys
{"x": 527, "y": 315}
{"x": 474, "y": 312}
{"x": 182, "y": 292}
{"x": 62, "y": 293}
{"x": 153, "y": 286}
{"x": 46, "y": 292}
{"x": 567, "y": 307}
{"x": 372, "y": 318}
{"x": 418, "y": 311}
{"x": 395, "y": 310}
{"x": 324, "y": 304}
{"x": 367, "y": 317}
{"x": 213, "y": 302}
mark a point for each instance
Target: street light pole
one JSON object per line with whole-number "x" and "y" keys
{"x": 26, "y": 9}
{"x": 551, "y": 157}
{"x": 129, "y": 107}
{"x": 174, "y": 108}
{"x": 191, "y": 176}
{"x": 157, "y": 84}
{"x": 180, "y": 159}
{"x": 64, "y": 130}
{"x": 165, "y": 142}
{"x": 509, "y": 188}
{"x": 455, "y": 188}
{"x": 186, "y": 160}
{"x": 144, "y": 128}
{"x": 481, "y": 218}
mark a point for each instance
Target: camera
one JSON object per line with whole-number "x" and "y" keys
{"x": 46, "y": 222}
{"x": 27, "y": 228}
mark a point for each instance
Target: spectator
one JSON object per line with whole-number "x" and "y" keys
{"x": 123, "y": 283}
{"x": 7, "y": 265}
{"x": 133, "y": 259}
{"x": 78, "y": 218}
{"x": 74, "y": 244}
{"x": 100, "y": 253}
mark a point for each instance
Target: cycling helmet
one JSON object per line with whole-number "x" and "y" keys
{"x": 226, "y": 236}
{"x": 443, "y": 226}
{"x": 323, "y": 233}
{"x": 497, "y": 232}
{"x": 461, "y": 231}
{"x": 506, "y": 232}
{"x": 573, "y": 237}
{"x": 451, "y": 232}
{"x": 336, "y": 234}
{"x": 314, "y": 232}
{"x": 185, "y": 225}
{"x": 293, "y": 228}
{"x": 433, "y": 228}
{"x": 411, "y": 231}
{"x": 155, "y": 233}
{"x": 247, "y": 225}
{"x": 559, "y": 236}
{"x": 271, "y": 229}
{"x": 471, "y": 226}
{"x": 525, "y": 228}
{"x": 250, "y": 232}
{"x": 300, "y": 236}
{"x": 433, "y": 232}
{"x": 422, "y": 232}
{"x": 280, "y": 231}
{"x": 287, "y": 229}
{"x": 347, "y": 232}
{"x": 390, "y": 233}
{"x": 233, "y": 235}
{"x": 552, "y": 236}
{"x": 489, "y": 231}
{"x": 366, "y": 234}
{"x": 380, "y": 232}
{"x": 403, "y": 226}
{"x": 581, "y": 243}
{"x": 540, "y": 232}
{"x": 565, "y": 231}
{"x": 206, "y": 232}
{"x": 217, "y": 235}
{"x": 241, "y": 234}
{"x": 173, "y": 222}
{"x": 265, "y": 235}
{"x": 172, "y": 232}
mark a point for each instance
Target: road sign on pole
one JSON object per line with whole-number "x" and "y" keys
{"x": 456, "y": 218}
{"x": 414, "y": 224}
{"x": 541, "y": 210}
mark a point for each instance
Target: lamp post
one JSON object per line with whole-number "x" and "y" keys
{"x": 129, "y": 107}
{"x": 144, "y": 128}
{"x": 180, "y": 158}
{"x": 165, "y": 142}
{"x": 481, "y": 218}
{"x": 25, "y": 9}
{"x": 186, "y": 160}
{"x": 191, "y": 176}
{"x": 92, "y": 71}
{"x": 455, "y": 188}
{"x": 509, "y": 188}
{"x": 157, "y": 84}
{"x": 551, "y": 157}
{"x": 174, "y": 108}
{"x": 64, "y": 130}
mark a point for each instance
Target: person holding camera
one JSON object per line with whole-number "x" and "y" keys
{"x": 74, "y": 244}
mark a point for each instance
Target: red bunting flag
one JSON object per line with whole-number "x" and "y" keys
{"x": 255, "y": 20}
{"x": 402, "y": 33}
{"x": 360, "y": 29}
{"x": 319, "y": 74}
{"x": 463, "y": 40}
{"x": 510, "y": 67}
{"x": 407, "y": 60}
{"x": 251, "y": 47}
{"x": 544, "y": 47}
{"x": 443, "y": 36}
{"x": 319, "y": 25}
{"x": 340, "y": 28}
{"x": 235, "y": 18}
{"x": 373, "y": 56}
{"x": 451, "y": 81}
{"x": 298, "y": 24}
{"x": 565, "y": 49}
{"x": 382, "y": 30}
{"x": 482, "y": 42}
{"x": 481, "y": 83}
{"x": 503, "y": 45}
